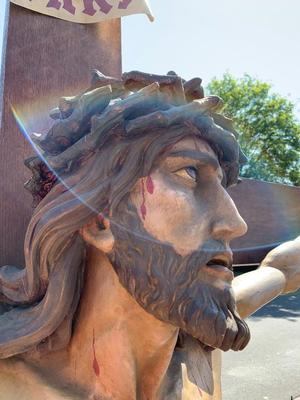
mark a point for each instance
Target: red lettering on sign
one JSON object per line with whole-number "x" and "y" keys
{"x": 89, "y": 9}
{"x": 124, "y": 4}
{"x": 67, "y": 5}
{"x": 54, "y": 4}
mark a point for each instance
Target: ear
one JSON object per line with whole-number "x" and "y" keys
{"x": 98, "y": 233}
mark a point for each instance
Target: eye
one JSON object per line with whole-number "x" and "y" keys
{"x": 192, "y": 172}
{"x": 188, "y": 172}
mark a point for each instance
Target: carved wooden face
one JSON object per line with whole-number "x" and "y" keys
{"x": 183, "y": 201}
{"x": 171, "y": 245}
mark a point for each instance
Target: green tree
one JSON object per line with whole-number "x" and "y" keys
{"x": 269, "y": 130}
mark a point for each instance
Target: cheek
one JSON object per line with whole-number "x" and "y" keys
{"x": 169, "y": 214}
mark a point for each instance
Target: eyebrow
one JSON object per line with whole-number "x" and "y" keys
{"x": 196, "y": 155}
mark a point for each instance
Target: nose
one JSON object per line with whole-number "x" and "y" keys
{"x": 227, "y": 223}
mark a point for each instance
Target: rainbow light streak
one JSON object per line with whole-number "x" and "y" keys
{"x": 43, "y": 158}
{"x": 285, "y": 201}
{"x": 61, "y": 180}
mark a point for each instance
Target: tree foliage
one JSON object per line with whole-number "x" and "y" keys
{"x": 269, "y": 130}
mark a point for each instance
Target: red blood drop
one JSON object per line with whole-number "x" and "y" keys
{"x": 143, "y": 211}
{"x": 96, "y": 367}
{"x": 149, "y": 185}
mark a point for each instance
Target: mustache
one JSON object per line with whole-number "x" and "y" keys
{"x": 178, "y": 289}
{"x": 127, "y": 223}
{"x": 204, "y": 254}
{"x": 189, "y": 267}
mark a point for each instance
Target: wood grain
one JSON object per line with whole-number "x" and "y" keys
{"x": 46, "y": 58}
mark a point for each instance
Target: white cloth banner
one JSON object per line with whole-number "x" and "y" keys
{"x": 87, "y": 11}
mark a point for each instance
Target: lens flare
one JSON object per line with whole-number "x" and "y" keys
{"x": 281, "y": 215}
{"x": 37, "y": 150}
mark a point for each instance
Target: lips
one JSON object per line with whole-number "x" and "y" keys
{"x": 221, "y": 267}
{"x": 219, "y": 262}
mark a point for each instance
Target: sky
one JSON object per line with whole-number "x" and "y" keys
{"x": 208, "y": 38}
{"x": 2, "y": 23}
{"x": 2, "y": 8}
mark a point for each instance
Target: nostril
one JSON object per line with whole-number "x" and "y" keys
{"x": 229, "y": 227}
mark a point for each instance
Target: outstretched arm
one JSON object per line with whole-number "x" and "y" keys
{"x": 257, "y": 288}
{"x": 279, "y": 273}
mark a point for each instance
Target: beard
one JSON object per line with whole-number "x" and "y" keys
{"x": 175, "y": 289}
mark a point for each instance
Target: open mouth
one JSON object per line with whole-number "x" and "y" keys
{"x": 221, "y": 266}
{"x": 217, "y": 262}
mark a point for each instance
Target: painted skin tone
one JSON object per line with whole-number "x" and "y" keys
{"x": 279, "y": 273}
{"x": 174, "y": 209}
{"x": 118, "y": 350}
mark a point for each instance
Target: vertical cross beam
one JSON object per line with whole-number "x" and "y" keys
{"x": 46, "y": 58}
{"x": 4, "y": 15}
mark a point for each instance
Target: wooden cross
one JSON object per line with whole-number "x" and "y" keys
{"x": 46, "y": 58}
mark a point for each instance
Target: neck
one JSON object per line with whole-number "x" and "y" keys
{"x": 117, "y": 350}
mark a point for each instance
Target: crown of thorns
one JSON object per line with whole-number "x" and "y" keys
{"x": 134, "y": 104}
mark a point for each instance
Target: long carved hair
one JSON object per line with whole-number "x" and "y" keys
{"x": 38, "y": 302}
{"x": 43, "y": 296}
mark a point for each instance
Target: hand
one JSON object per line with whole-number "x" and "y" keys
{"x": 286, "y": 258}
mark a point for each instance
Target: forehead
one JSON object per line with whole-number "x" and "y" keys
{"x": 194, "y": 144}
